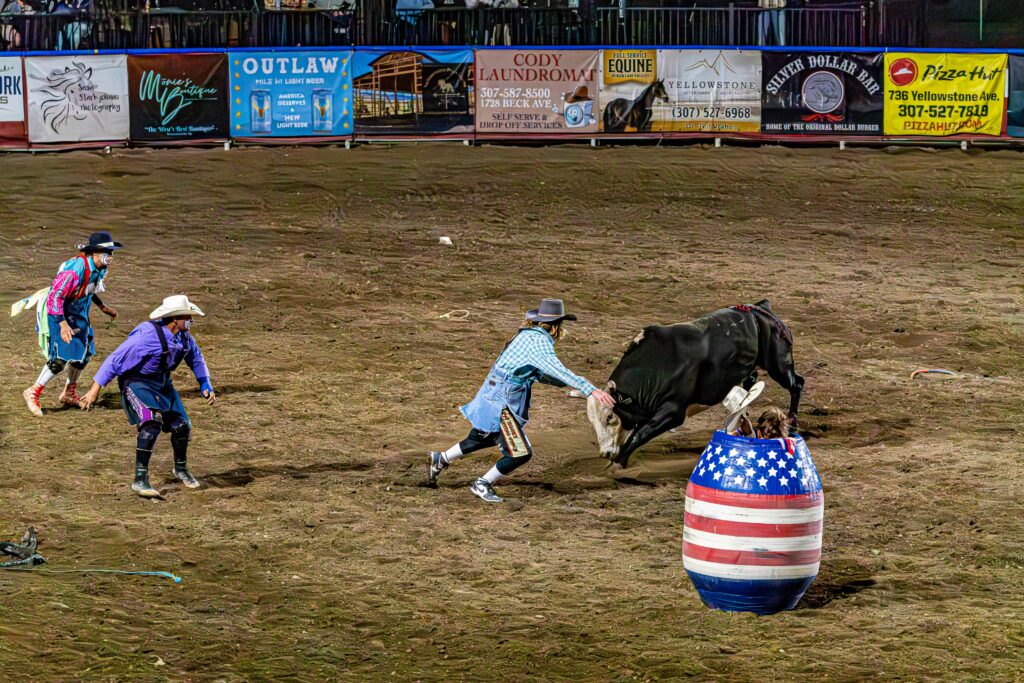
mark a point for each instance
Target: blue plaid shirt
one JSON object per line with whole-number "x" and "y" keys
{"x": 530, "y": 357}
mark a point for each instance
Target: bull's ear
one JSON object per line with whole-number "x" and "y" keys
{"x": 765, "y": 304}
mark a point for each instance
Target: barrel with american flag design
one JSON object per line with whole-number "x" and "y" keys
{"x": 752, "y": 531}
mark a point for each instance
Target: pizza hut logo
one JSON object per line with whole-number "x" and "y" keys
{"x": 903, "y": 71}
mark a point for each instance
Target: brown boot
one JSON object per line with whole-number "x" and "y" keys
{"x": 31, "y": 396}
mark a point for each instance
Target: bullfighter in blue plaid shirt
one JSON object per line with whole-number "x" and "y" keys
{"x": 502, "y": 405}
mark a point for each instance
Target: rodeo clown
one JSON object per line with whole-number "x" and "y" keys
{"x": 77, "y": 285}
{"x": 501, "y": 407}
{"x": 143, "y": 364}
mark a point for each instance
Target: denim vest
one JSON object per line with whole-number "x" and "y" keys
{"x": 499, "y": 390}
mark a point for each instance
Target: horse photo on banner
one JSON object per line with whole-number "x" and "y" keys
{"x": 944, "y": 94}
{"x": 77, "y": 98}
{"x": 12, "y": 104}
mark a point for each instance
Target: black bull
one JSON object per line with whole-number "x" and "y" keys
{"x": 668, "y": 370}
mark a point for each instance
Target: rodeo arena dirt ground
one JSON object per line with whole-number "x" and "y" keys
{"x": 342, "y": 336}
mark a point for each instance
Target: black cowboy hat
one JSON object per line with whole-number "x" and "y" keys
{"x": 100, "y": 241}
{"x": 550, "y": 311}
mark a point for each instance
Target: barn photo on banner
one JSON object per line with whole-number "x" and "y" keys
{"x": 1015, "y": 115}
{"x": 12, "y": 104}
{"x": 537, "y": 91}
{"x": 681, "y": 91}
{"x": 822, "y": 93}
{"x": 414, "y": 92}
{"x": 944, "y": 94}
{"x": 77, "y": 98}
{"x": 178, "y": 97}
{"x": 290, "y": 93}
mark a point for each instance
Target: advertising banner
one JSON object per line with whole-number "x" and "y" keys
{"x": 291, "y": 94}
{"x": 413, "y": 92}
{"x": 944, "y": 94}
{"x": 1015, "y": 118}
{"x": 687, "y": 91}
{"x": 822, "y": 93}
{"x": 178, "y": 96}
{"x": 537, "y": 91}
{"x": 77, "y": 98}
{"x": 12, "y": 103}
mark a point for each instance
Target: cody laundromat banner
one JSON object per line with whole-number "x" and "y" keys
{"x": 178, "y": 97}
{"x": 687, "y": 91}
{"x": 944, "y": 94}
{"x": 411, "y": 92}
{"x": 304, "y": 93}
{"x": 822, "y": 93}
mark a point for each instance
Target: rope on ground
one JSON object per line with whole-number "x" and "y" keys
{"x": 457, "y": 314}
{"x": 930, "y": 371}
{"x": 91, "y": 570}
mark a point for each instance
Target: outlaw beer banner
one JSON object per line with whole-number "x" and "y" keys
{"x": 178, "y": 96}
{"x": 944, "y": 94}
{"x": 688, "y": 91}
{"x": 822, "y": 94}
{"x": 12, "y": 103}
{"x": 77, "y": 98}
{"x": 291, "y": 94}
{"x": 1015, "y": 115}
{"x": 413, "y": 92}
{"x": 537, "y": 91}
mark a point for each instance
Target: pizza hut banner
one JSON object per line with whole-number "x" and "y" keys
{"x": 77, "y": 98}
{"x": 822, "y": 93}
{"x": 178, "y": 96}
{"x": 537, "y": 91}
{"x": 688, "y": 91}
{"x": 944, "y": 94}
{"x": 12, "y": 104}
{"x": 1015, "y": 116}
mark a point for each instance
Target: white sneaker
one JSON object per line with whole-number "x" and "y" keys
{"x": 483, "y": 490}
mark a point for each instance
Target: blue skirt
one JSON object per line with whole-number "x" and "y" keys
{"x": 145, "y": 400}
{"x": 81, "y": 347}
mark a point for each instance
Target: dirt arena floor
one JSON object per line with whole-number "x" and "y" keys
{"x": 315, "y": 551}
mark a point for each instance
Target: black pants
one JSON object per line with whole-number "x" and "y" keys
{"x": 477, "y": 440}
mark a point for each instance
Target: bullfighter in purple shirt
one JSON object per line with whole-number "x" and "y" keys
{"x": 143, "y": 364}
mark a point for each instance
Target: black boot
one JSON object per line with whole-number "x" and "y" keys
{"x": 141, "y": 484}
{"x": 179, "y": 442}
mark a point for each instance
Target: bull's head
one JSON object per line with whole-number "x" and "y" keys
{"x": 607, "y": 425}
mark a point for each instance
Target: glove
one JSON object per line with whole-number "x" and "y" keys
{"x": 205, "y": 386}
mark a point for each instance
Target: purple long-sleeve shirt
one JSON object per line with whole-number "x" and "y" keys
{"x": 139, "y": 354}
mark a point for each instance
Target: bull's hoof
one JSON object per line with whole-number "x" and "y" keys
{"x": 622, "y": 462}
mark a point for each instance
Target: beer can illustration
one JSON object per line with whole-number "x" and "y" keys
{"x": 261, "y": 114}
{"x": 323, "y": 116}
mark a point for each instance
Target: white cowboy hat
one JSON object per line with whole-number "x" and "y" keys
{"x": 736, "y": 403}
{"x": 177, "y": 304}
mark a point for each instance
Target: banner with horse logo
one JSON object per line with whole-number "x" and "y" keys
{"x": 1015, "y": 106}
{"x": 398, "y": 92}
{"x": 303, "y": 93}
{"x": 12, "y": 103}
{"x": 178, "y": 96}
{"x": 944, "y": 94}
{"x": 77, "y": 98}
{"x": 687, "y": 91}
{"x": 537, "y": 91}
{"x": 822, "y": 93}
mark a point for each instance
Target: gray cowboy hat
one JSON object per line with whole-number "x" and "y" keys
{"x": 550, "y": 311}
{"x": 100, "y": 241}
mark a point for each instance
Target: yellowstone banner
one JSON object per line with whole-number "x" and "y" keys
{"x": 537, "y": 91}
{"x": 77, "y": 98}
{"x": 687, "y": 91}
{"x": 291, "y": 94}
{"x": 12, "y": 103}
{"x": 178, "y": 96}
{"x": 944, "y": 94}
{"x": 413, "y": 92}
{"x": 1015, "y": 118}
{"x": 822, "y": 94}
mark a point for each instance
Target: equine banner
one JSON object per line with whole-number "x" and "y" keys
{"x": 688, "y": 91}
{"x": 809, "y": 93}
{"x": 12, "y": 103}
{"x": 306, "y": 93}
{"x": 1015, "y": 117}
{"x": 537, "y": 91}
{"x": 415, "y": 92}
{"x": 77, "y": 98}
{"x": 178, "y": 96}
{"x": 944, "y": 94}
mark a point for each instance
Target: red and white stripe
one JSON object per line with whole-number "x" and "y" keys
{"x": 734, "y": 535}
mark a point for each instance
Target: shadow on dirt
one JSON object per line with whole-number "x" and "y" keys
{"x": 243, "y": 476}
